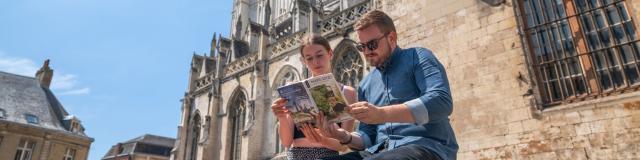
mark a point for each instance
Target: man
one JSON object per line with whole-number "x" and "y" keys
{"x": 405, "y": 102}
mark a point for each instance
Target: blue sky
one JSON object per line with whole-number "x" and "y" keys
{"x": 121, "y": 66}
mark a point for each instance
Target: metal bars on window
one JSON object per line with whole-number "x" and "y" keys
{"x": 581, "y": 48}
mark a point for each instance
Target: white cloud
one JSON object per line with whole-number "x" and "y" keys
{"x": 80, "y": 91}
{"x": 64, "y": 81}
{"x": 66, "y": 84}
{"x": 20, "y": 66}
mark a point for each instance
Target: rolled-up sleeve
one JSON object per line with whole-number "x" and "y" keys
{"x": 419, "y": 111}
{"x": 435, "y": 100}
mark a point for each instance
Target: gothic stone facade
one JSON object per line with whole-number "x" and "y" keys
{"x": 530, "y": 79}
{"x": 225, "y": 114}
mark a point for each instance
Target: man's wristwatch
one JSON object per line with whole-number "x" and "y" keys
{"x": 348, "y": 141}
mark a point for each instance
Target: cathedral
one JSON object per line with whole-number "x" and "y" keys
{"x": 226, "y": 108}
{"x": 530, "y": 79}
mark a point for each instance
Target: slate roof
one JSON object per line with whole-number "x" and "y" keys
{"x": 133, "y": 146}
{"x": 154, "y": 139}
{"x": 21, "y": 96}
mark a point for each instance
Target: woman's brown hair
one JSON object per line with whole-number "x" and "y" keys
{"x": 313, "y": 39}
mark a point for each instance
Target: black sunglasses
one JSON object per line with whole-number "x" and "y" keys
{"x": 371, "y": 45}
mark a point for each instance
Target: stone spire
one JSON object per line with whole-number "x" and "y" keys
{"x": 313, "y": 16}
{"x": 214, "y": 46}
{"x": 203, "y": 68}
{"x": 267, "y": 14}
{"x": 45, "y": 74}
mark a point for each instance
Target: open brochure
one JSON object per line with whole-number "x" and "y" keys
{"x": 311, "y": 96}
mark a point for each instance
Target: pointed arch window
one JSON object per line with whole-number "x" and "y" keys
{"x": 348, "y": 65}
{"x": 287, "y": 77}
{"x": 195, "y": 130}
{"x": 238, "y": 119}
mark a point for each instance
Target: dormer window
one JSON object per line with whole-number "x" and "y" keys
{"x": 31, "y": 119}
{"x": 75, "y": 127}
{"x": 73, "y": 124}
{"x": 3, "y": 114}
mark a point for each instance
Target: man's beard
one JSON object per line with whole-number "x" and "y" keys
{"x": 381, "y": 57}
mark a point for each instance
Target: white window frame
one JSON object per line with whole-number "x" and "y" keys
{"x": 24, "y": 152}
{"x": 70, "y": 154}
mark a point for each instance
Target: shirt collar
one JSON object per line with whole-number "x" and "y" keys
{"x": 389, "y": 61}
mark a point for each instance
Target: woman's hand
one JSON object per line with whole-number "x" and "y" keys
{"x": 278, "y": 108}
{"x": 331, "y": 130}
{"x": 314, "y": 135}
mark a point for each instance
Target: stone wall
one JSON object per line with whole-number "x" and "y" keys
{"x": 49, "y": 144}
{"x": 493, "y": 117}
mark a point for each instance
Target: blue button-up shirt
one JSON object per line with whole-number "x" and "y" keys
{"x": 413, "y": 77}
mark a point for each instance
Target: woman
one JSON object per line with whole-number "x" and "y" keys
{"x": 307, "y": 142}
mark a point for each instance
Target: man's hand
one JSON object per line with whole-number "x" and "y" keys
{"x": 367, "y": 113}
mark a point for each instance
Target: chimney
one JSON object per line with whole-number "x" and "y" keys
{"x": 119, "y": 149}
{"x": 45, "y": 74}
